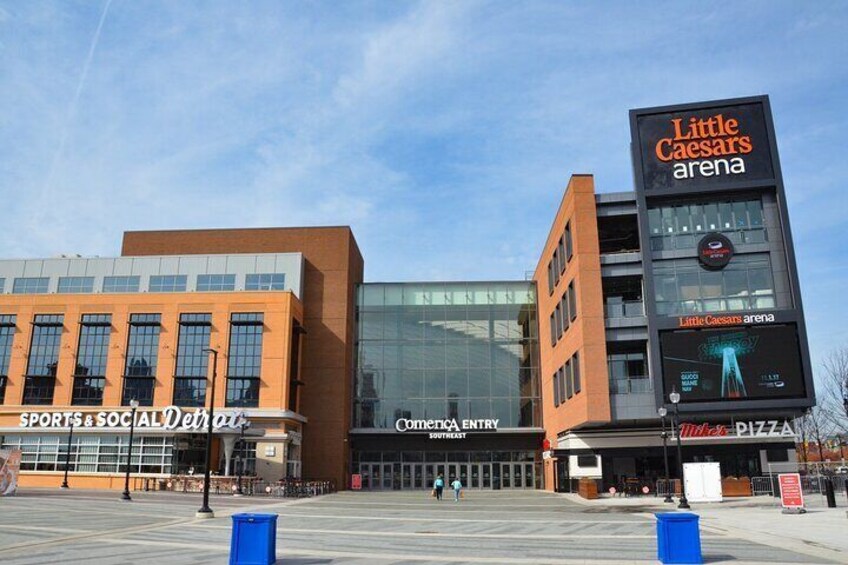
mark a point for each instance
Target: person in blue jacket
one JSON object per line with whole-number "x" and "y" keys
{"x": 439, "y": 486}
{"x": 456, "y": 485}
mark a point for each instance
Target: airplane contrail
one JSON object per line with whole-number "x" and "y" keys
{"x": 72, "y": 109}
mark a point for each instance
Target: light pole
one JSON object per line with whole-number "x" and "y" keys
{"x": 126, "y": 495}
{"x": 241, "y": 461}
{"x": 68, "y": 454}
{"x": 662, "y": 412}
{"x": 675, "y": 400}
{"x": 205, "y": 511}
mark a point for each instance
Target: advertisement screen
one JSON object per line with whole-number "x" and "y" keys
{"x": 753, "y": 363}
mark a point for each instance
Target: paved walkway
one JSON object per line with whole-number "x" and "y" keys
{"x": 375, "y": 528}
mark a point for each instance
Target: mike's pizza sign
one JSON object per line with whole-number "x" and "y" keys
{"x": 703, "y": 146}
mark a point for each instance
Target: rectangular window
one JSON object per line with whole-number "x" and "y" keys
{"x": 563, "y": 306}
{"x": 30, "y": 285}
{"x": 587, "y": 461}
{"x": 168, "y": 283}
{"x": 141, "y": 359}
{"x": 216, "y": 283}
{"x": 556, "y": 389}
{"x": 93, "y": 349}
{"x": 121, "y": 284}
{"x": 265, "y": 281}
{"x": 76, "y": 285}
{"x": 575, "y": 371}
{"x": 245, "y": 360}
{"x": 294, "y": 367}
{"x": 93, "y": 453}
{"x": 7, "y": 336}
{"x": 43, "y": 359}
{"x": 563, "y": 261}
{"x": 563, "y": 375}
{"x": 572, "y": 301}
{"x": 569, "y": 245}
{"x": 569, "y": 387}
{"x": 558, "y": 321}
{"x": 554, "y": 335}
{"x": 192, "y": 360}
{"x": 551, "y": 277}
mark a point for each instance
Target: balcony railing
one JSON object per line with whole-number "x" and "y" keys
{"x": 626, "y": 309}
{"x": 631, "y": 385}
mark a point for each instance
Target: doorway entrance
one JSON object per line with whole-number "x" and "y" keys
{"x": 471, "y": 475}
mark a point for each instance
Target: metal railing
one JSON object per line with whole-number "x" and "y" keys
{"x": 664, "y": 487}
{"x": 629, "y": 386}
{"x": 761, "y": 486}
{"x": 297, "y": 488}
{"x": 626, "y": 309}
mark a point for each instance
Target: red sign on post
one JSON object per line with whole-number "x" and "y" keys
{"x": 791, "y": 494}
{"x": 356, "y": 482}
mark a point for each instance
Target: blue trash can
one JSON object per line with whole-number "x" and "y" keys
{"x": 678, "y": 538}
{"x": 254, "y": 540}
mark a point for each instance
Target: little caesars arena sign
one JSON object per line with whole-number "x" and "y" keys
{"x": 446, "y": 429}
{"x": 169, "y": 418}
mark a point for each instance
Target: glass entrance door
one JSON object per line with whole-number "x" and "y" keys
{"x": 412, "y": 476}
{"x": 517, "y": 475}
{"x": 485, "y": 475}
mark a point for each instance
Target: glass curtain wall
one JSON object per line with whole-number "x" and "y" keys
{"x": 447, "y": 350}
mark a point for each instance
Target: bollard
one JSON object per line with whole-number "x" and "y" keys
{"x": 828, "y": 492}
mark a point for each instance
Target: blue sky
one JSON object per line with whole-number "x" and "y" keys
{"x": 443, "y": 132}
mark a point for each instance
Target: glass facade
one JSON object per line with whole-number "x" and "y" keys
{"x": 76, "y": 285}
{"x": 682, "y": 286}
{"x": 244, "y": 360}
{"x": 43, "y": 359}
{"x": 121, "y": 284}
{"x": 31, "y": 285}
{"x": 90, "y": 371}
{"x": 93, "y": 453}
{"x": 447, "y": 350}
{"x": 142, "y": 357}
{"x": 217, "y": 283}
{"x": 192, "y": 360}
{"x": 682, "y": 225}
{"x": 265, "y": 281}
{"x": 7, "y": 335}
{"x": 168, "y": 283}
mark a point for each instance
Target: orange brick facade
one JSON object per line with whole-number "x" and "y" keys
{"x": 333, "y": 267}
{"x": 585, "y": 336}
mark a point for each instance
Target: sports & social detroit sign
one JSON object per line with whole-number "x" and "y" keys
{"x": 704, "y": 147}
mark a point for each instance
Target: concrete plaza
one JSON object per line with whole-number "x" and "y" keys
{"x": 96, "y": 527}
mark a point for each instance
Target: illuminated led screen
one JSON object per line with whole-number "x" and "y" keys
{"x": 754, "y": 363}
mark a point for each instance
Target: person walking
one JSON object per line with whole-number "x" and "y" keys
{"x": 456, "y": 485}
{"x": 439, "y": 486}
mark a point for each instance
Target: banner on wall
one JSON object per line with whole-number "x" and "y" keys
{"x": 10, "y": 466}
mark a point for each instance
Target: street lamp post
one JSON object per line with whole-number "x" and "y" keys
{"x": 675, "y": 400}
{"x": 68, "y": 454}
{"x": 663, "y": 412}
{"x": 205, "y": 511}
{"x": 126, "y": 495}
{"x": 243, "y": 458}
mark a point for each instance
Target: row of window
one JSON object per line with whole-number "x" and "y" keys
{"x": 561, "y": 257}
{"x": 515, "y": 412}
{"x": 567, "y": 380}
{"x": 683, "y": 287}
{"x": 108, "y": 454}
{"x": 244, "y": 359}
{"x": 157, "y": 283}
{"x": 679, "y": 226}
{"x": 564, "y": 313}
